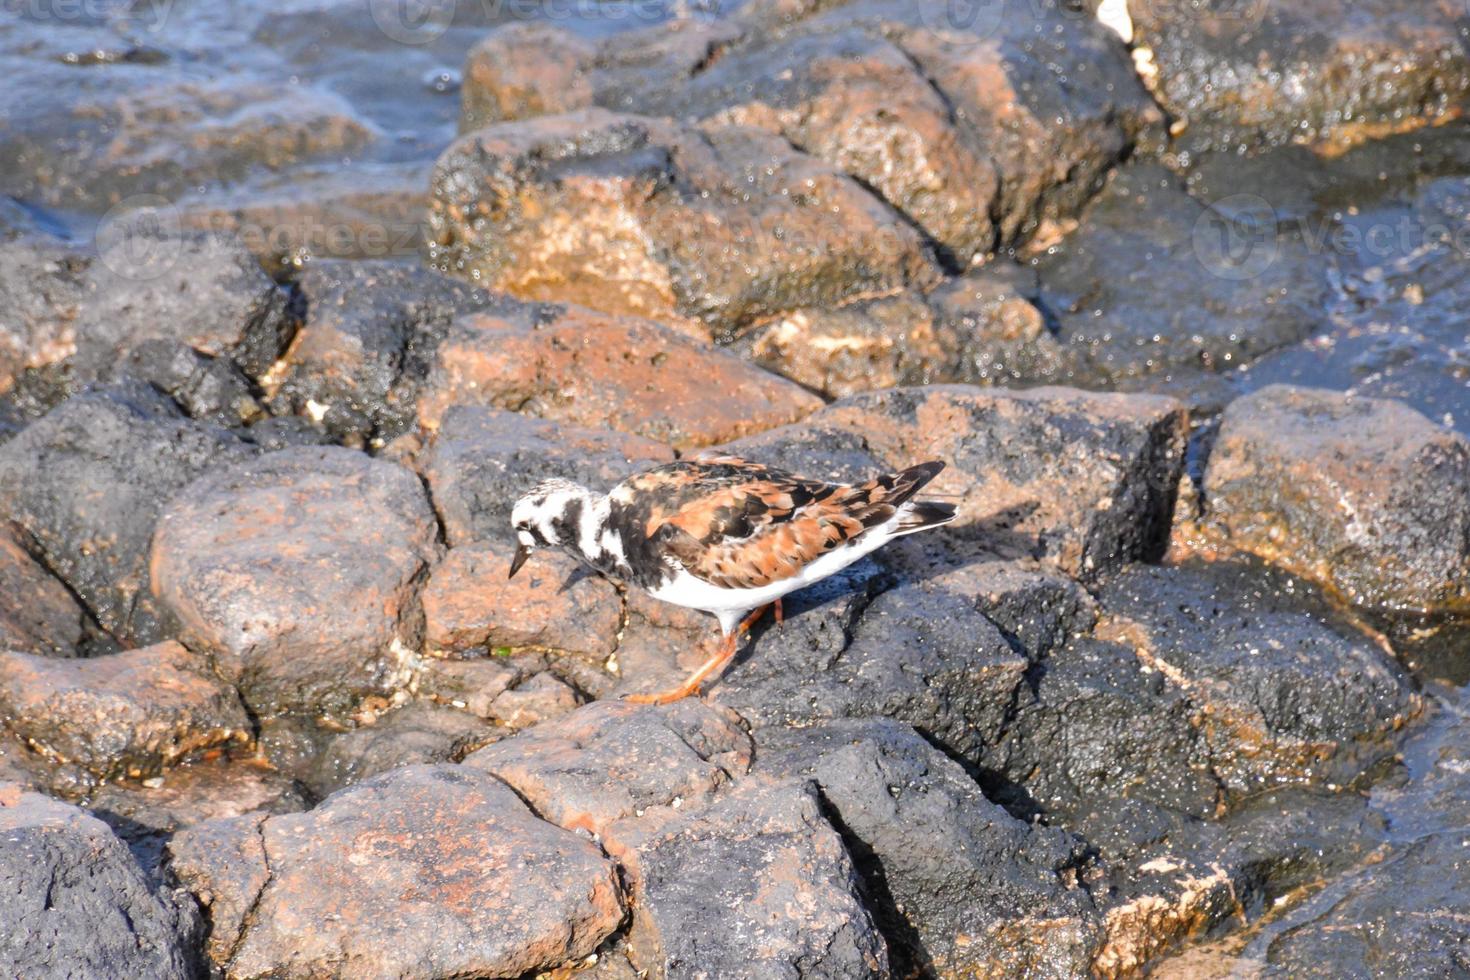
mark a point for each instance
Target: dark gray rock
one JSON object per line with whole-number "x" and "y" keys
{"x": 1221, "y": 68}
{"x": 1287, "y": 694}
{"x": 1401, "y": 918}
{"x": 73, "y": 903}
{"x": 1094, "y": 723}
{"x": 367, "y": 340}
{"x": 482, "y": 460}
{"x": 1085, "y": 480}
{"x": 192, "y": 313}
{"x": 1152, "y": 292}
{"x": 918, "y": 653}
{"x": 418, "y": 732}
{"x": 939, "y": 861}
{"x": 756, "y": 885}
{"x": 85, "y": 486}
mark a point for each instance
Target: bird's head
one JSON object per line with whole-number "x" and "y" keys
{"x": 549, "y": 515}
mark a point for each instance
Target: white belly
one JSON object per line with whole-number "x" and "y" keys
{"x": 730, "y": 604}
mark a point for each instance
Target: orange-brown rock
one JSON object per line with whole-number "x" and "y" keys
{"x": 125, "y": 714}
{"x": 612, "y": 761}
{"x": 979, "y": 328}
{"x": 472, "y": 607}
{"x": 421, "y": 872}
{"x": 640, "y": 215}
{"x": 1365, "y": 495}
{"x": 298, "y": 572}
{"x": 37, "y": 613}
{"x": 594, "y": 369}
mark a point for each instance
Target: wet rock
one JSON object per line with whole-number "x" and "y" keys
{"x": 606, "y": 765}
{"x": 1364, "y": 495}
{"x": 633, "y": 214}
{"x": 1400, "y": 919}
{"x": 1213, "y": 303}
{"x": 298, "y": 572}
{"x": 483, "y": 459}
{"x": 1085, "y": 480}
{"x": 596, "y": 370}
{"x": 84, "y": 139}
{"x": 290, "y": 220}
{"x": 1283, "y": 696}
{"x": 472, "y": 609}
{"x": 918, "y": 653}
{"x": 146, "y": 815}
{"x": 131, "y": 714}
{"x": 1266, "y": 72}
{"x": 979, "y": 328}
{"x": 418, "y": 732}
{"x": 446, "y": 855}
{"x": 957, "y": 885}
{"x": 1196, "y": 878}
{"x": 85, "y": 486}
{"x": 1036, "y": 607}
{"x": 756, "y": 885}
{"x": 473, "y": 685}
{"x": 74, "y": 903}
{"x": 366, "y": 343}
{"x": 147, "y": 296}
{"x": 1202, "y": 687}
{"x": 1096, "y": 723}
{"x": 543, "y": 697}
{"x": 37, "y": 613}
{"x": 523, "y": 70}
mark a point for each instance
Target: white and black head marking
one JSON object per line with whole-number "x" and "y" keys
{"x": 549, "y": 515}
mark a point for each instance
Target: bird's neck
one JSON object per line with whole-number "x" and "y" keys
{"x": 593, "y": 542}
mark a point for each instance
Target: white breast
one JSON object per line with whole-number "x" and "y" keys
{"x": 729, "y": 604}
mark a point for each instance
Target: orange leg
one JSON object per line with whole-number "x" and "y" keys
{"x": 776, "y": 609}
{"x": 713, "y": 665}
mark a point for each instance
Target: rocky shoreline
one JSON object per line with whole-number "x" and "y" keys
{"x": 1178, "y": 691}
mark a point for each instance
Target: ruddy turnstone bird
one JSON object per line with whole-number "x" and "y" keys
{"x": 723, "y": 535}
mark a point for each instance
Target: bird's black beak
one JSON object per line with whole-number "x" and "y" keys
{"x": 522, "y": 553}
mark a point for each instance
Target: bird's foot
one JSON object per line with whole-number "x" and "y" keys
{"x": 778, "y": 613}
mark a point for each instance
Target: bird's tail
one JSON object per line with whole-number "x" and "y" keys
{"x": 891, "y": 495}
{"x": 920, "y": 514}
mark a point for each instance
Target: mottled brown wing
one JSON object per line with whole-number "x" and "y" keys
{"x": 741, "y": 525}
